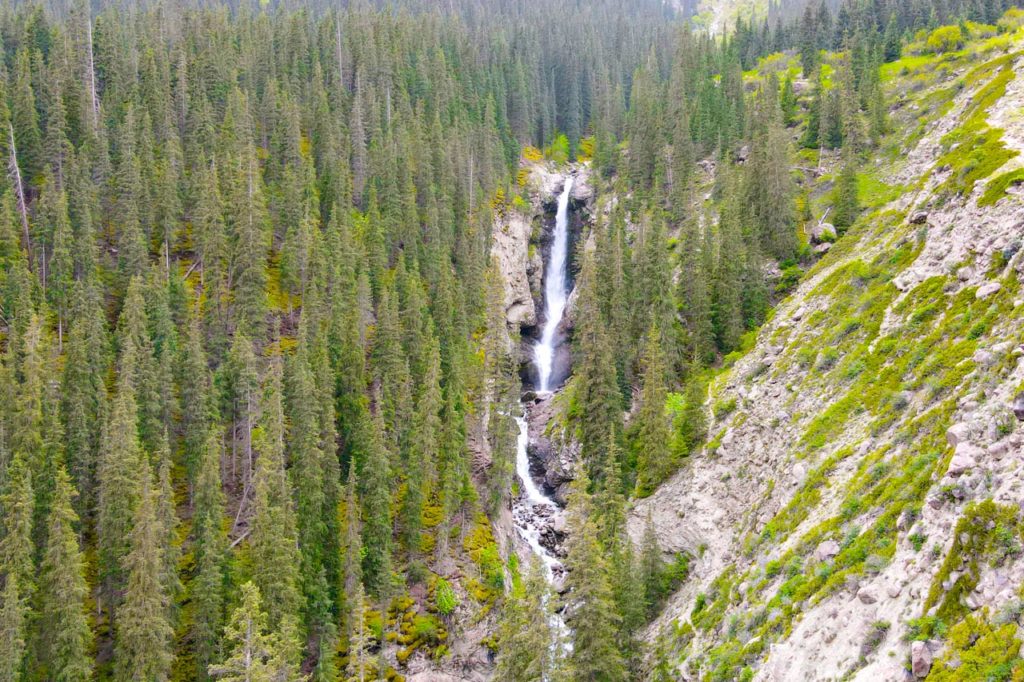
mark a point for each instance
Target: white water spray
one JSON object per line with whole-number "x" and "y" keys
{"x": 556, "y": 292}
{"x": 534, "y": 510}
{"x": 534, "y": 513}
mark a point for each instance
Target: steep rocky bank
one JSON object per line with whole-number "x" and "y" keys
{"x": 864, "y": 467}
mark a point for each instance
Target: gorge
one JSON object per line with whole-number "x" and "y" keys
{"x": 535, "y": 513}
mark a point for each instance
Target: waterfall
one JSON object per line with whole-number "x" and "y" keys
{"x": 556, "y": 292}
{"x": 534, "y": 510}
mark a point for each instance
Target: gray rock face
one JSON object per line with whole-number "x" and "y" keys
{"x": 958, "y": 433}
{"x": 964, "y": 458}
{"x": 920, "y": 659}
{"x": 822, "y": 232}
{"x": 867, "y": 594}
{"x": 919, "y": 217}
{"x": 511, "y": 247}
{"x": 988, "y": 290}
{"x": 826, "y": 550}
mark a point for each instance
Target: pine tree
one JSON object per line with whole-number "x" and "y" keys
{"x": 273, "y": 541}
{"x": 362, "y": 664}
{"x": 254, "y": 649}
{"x": 67, "y": 641}
{"x": 653, "y": 455}
{"x": 143, "y": 635}
{"x": 376, "y": 497}
{"x": 16, "y": 547}
{"x": 13, "y": 616}
{"x": 589, "y": 598}
{"x": 210, "y": 546}
{"x": 845, "y": 202}
{"x": 529, "y": 648}
{"x": 596, "y": 397}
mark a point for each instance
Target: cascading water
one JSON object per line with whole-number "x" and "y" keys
{"x": 556, "y": 293}
{"x": 534, "y": 512}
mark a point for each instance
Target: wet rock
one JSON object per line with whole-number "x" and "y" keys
{"x": 964, "y": 458}
{"x": 920, "y": 659}
{"x": 988, "y": 290}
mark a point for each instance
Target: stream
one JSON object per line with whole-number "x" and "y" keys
{"x": 534, "y": 512}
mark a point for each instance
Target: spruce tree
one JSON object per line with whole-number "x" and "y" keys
{"x": 845, "y": 203}
{"x": 273, "y": 542}
{"x": 254, "y": 651}
{"x": 653, "y": 455}
{"x": 119, "y": 483}
{"x": 376, "y": 497}
{"x": 17, "y": 550}
{"x": 529, "y": 647}
{"x": 210, "y": 546}
{"x": 596, "y": 397}
{"x": 66, "y": 641}
{"x": 589, "y": 598}
{"x": 143, "y": 646}
{"x": 13, "y": 617}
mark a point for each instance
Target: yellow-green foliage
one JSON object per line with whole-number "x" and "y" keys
{"x": 979, "y": 652}
{"x": 986, "y": 533}
{"x": 996, "y": 188}
{"x": 1012, "y": 20}
{"x": 483, "y": 550}
{"x": 558, "y": 151}
{"x": 975, "y": 151}
{"x": 945, "y": 39}
{"x": 531, "y": 153}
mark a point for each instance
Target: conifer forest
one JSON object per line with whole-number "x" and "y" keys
{"x": 471, "y": 340}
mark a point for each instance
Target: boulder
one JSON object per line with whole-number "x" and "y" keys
{"x": 826, "y": 550}
{"x": 1018, "y": 406}
{"x": 920, "y": 659}
{"x": 919, "y": 217}
{"x": 964, "y": 458}
{"x": 822, "y": 232}
{"x": 988, "y": 290}
{"x": 867, "y": 594}
{"x": 822, "y": 248}
{"x": 958, "y": 433}
{"x": 984, "y": 358}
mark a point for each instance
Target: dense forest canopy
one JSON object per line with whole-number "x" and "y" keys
{"x": 259, "y": 386}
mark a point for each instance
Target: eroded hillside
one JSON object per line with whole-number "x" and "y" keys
{"x": 856, "y": 511}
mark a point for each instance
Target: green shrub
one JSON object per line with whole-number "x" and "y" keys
{"x": 445, "y": 598}
{"x": 945, "y": 39}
